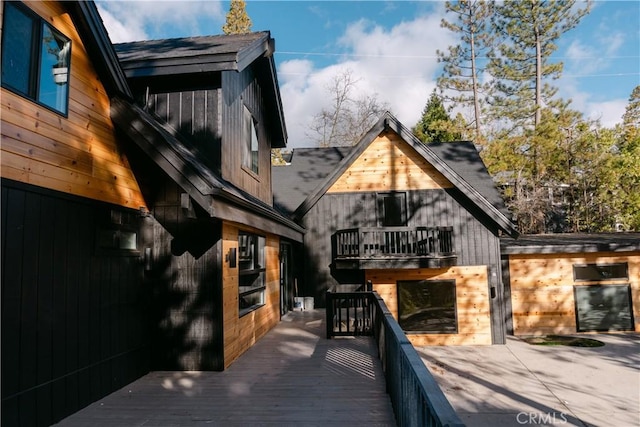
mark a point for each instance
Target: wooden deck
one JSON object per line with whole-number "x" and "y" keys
{"x": 292, "y": 376}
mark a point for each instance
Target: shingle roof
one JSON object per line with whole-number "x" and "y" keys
{"x": 571, "y": 243}
{"x": 205, "y": 53}
{"x": 307, "y": 168}
{"x": 465, "y": 160}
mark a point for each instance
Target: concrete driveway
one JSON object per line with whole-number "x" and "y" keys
{"x": 521, "y": 384}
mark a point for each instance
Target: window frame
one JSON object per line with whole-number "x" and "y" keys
{"x": 599, "y": 268}
{"x": 381, "y": 208}
{"x": 118, "y": 224}
{"x": 252, "y": 271}
{"x": 34, "y": 81}
{"x": 449, "y": 282}
{"x": 251, "y": 156}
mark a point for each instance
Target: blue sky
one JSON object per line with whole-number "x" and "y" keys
{"x": 389, "y": 46}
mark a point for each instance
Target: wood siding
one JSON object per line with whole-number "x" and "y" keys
{"x": 542, "y": 293}
{"x": 473, "y": 242}
{"x": 195, "y": 117}
{"x": 77, "y": 154}
{"x": 389, "y": 164}
{"x": 240, "y": 333}
{"x": 473, "y": 309}
{"x": 239, "y": 90}
{"x": 74, "y": 320}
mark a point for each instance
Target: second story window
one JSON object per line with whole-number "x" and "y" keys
{"x": 250, "y": 158}
{"x": 392, "y": 209}
{"x": 35, "y": 58}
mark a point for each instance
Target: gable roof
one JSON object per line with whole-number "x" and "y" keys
{"x": 460, "y": 163}
{"x": 210, "y": 54}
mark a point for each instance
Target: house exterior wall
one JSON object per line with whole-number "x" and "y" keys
{"x": 240, "y": 333}
{"x": 77, "y": 154}
{"x": 542, "y": 289}
{"x": 239, "y": 90}
{"x": 473, "y": 310}
{"x": 193, "y": 114}
{"x": 74, "y": 317}
{"x": 390, "y": 164}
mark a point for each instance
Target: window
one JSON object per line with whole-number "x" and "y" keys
{"x": 118, "y": 235}
{"x": 251, "y": 272}
{"x": 597, "y": 272}
{"x": 250, "y": 160}
{"x": 603, "y": 308}
{"x": 427, "y": 306}
{"x": 35, "y": 58}
{"x": 392, "y": 209}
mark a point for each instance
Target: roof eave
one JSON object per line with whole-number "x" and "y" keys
{"x": 99, "y": 47}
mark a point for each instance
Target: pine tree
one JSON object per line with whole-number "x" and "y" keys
{"x": 436, "y": 125}
{"x": 238, "y": 21}
{"x": 522, "y": 63}
{"x": 627, "y": 166}
{"x": 463, "y": 64}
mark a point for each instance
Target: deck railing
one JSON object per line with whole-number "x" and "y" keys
{"x": 375, "y": 242}
{"x": 416, "y": 398}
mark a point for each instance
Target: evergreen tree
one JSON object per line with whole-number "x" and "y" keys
{"x": 522, "y": 66}
{"x": 627, "y": 166}
{"x": 463, "y": 63}
{"x": 238, "y": 21}
{"x": 631, "y": 119}
{"x": 435, "y": 125}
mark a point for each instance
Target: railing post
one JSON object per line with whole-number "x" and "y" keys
{"x": 329, "y": 313}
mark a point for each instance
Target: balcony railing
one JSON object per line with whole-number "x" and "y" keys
{"x": 428, "y": 246}
{"x": 416, "y": 397}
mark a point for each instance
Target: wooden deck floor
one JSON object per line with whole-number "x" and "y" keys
{"x": 292, "y": 376}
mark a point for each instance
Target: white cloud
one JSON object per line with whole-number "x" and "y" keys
{"x": 120, "y": 32}
{"x": 131, "y": 20}
{"x": 398, "y": 64}
{"x": 608, "y": 112}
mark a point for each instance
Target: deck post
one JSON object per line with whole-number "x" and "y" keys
{"x": 329, "y": 314}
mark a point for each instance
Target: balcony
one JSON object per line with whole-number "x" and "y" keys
{"x": 393, "y": 247}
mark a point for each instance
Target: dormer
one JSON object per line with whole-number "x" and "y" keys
{"x": 217, "y": 94}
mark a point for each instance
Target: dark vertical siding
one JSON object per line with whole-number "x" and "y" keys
{"x": 239, "y": 90}
{"x": 53, "y": 288}
{"x": 474, "y": 242}
{"x": 186, "y": 286}
{"x": 193, "y": 114}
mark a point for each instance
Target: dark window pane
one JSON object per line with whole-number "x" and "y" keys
{"x": 427, "y": 306}
{"x": 600, "y": 272}
{"x": 54, "y": 69}
{"x": 250, "y": 156}
{"x": 251, "y": 271}
{"x": 603, "y": 308}
{"x": 17, "y": 40}
{"x": 392, "y": 209}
